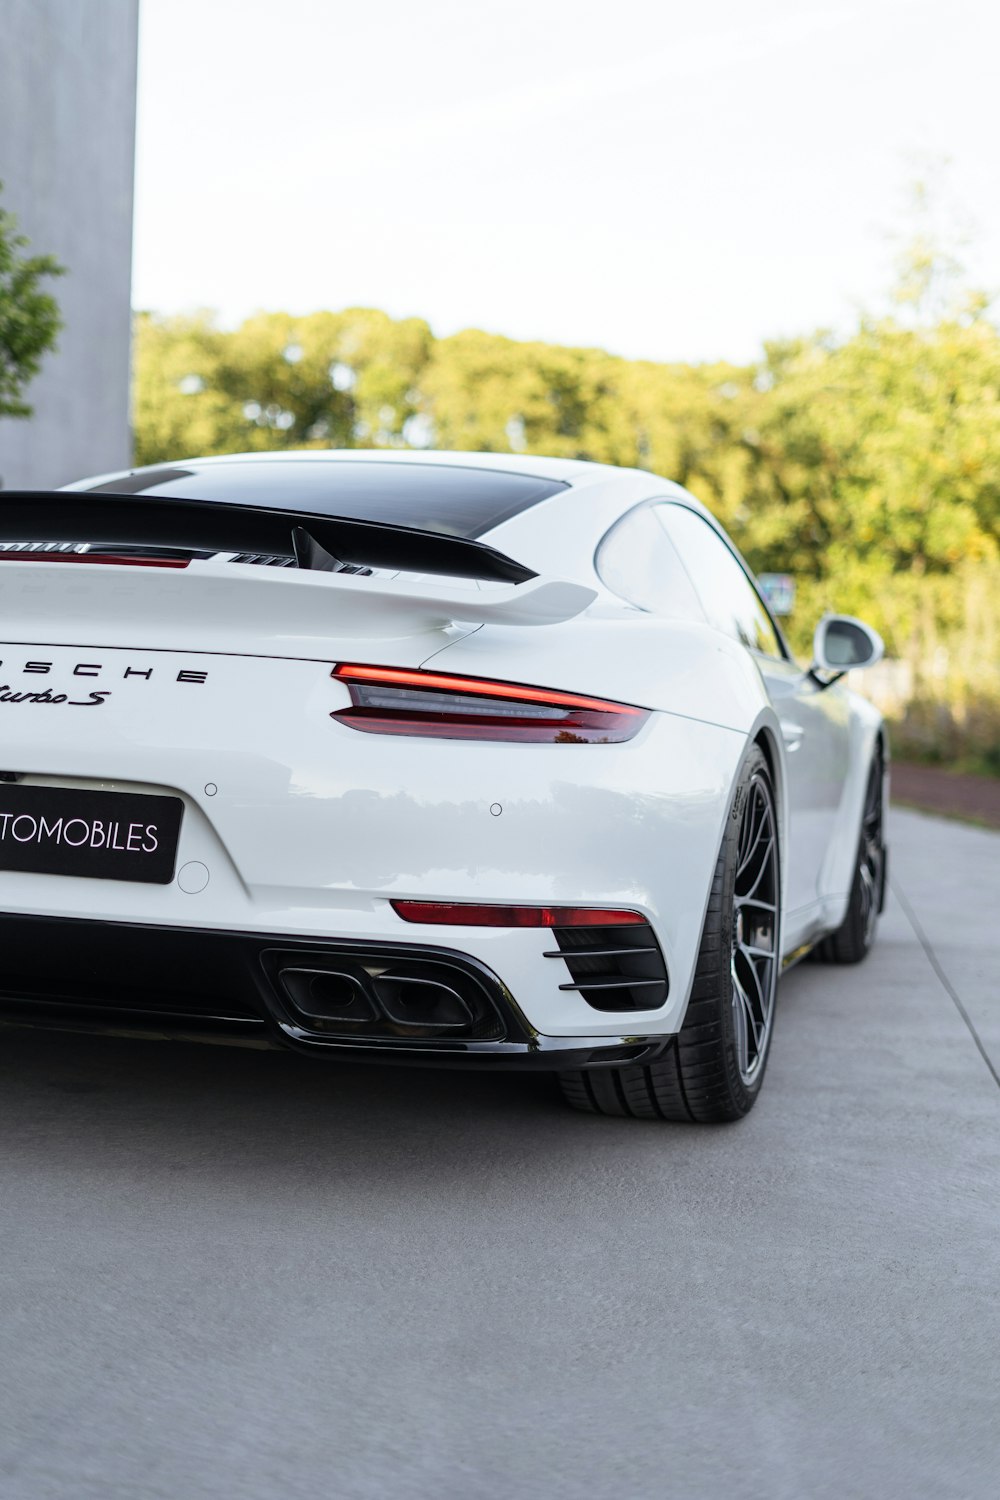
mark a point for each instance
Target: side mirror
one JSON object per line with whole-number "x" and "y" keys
{"x": 842, "y": 644}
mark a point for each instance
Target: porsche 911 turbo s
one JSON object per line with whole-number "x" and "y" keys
{"x": 424, "y": 757}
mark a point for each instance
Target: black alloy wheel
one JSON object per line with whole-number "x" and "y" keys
{"x": 755, "y": 960}
{"x": 853, "y": 939}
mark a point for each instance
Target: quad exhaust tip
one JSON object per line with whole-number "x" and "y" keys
{"x": 415, "y": 1000}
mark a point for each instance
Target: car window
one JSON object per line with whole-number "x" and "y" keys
{"x": 637, "y": 561}
{"x": 729, "y": 597}
{"x": 453, "y": 500}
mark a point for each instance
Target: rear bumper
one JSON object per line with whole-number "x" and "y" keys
{"x": 245, "y": 988}
{"x": 295, "y": 824}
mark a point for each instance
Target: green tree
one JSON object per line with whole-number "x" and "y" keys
{"x": 483, "y": 391}
{"x": 29, "y": 316}
{"x": 867, "y": 465}
{"x": 876, "y": 462}
{"x": 328, "y": 380}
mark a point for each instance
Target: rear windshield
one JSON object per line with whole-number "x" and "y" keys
{"x": 431, "y": 497}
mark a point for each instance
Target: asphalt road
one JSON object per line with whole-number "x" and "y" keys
{"x": 248, "y": 1275}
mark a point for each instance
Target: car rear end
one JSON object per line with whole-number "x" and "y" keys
{"x": 239, "y": 802}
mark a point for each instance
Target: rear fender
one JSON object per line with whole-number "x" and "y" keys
{"x": 677, "y": 667}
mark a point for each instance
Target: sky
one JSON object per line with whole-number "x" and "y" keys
{"x": 670, "y": 181}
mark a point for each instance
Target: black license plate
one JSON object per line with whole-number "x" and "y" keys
{"x": 54, "y": 830}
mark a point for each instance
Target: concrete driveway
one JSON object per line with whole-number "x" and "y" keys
{"x": 250, "y": 1275}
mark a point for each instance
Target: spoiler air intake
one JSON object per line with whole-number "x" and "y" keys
{"x": 320, "y": 542}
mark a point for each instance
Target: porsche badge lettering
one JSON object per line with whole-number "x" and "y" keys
{"x": 95, "y": 697}
{"x": 92, "y": 700}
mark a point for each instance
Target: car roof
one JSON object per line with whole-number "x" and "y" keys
{"x": 565, "y": 470}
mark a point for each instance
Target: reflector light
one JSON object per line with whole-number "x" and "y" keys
{"x": 469, "y": 914}
{"x": 396, "y": 700}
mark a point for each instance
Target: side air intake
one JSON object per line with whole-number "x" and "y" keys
{"x": 613, "y": 968}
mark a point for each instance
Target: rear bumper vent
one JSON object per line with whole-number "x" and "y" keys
{"x": 613, "y": 967}
{"x": 406, "y": 999}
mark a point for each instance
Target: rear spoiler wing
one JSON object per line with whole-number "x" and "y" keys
{"x": 318, "y": 542}
{"x": 205, "y": 598}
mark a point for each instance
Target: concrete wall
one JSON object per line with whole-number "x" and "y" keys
{"x": 67, "y": 149}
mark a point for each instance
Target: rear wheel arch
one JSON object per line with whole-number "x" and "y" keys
{"x": 713, "y": 1069}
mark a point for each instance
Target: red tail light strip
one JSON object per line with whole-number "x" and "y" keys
{"x": 468, "y": 914}
{"x": 396, "y": 700}
{"x": 485, "y": 687}
{"x": 95, "y": 557}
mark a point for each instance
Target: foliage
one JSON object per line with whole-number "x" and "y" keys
{"x": 330, "y": 380}
{"x": 869, "y": 467}
{"x": 29, "y": 316}
{"x": 880, "y": 456}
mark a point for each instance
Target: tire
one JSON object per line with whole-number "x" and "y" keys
{"x": 853, "y": 939}
{"x": 715, "y": 1066}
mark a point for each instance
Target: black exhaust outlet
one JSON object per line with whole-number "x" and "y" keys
{"x": 394, "y": 995}
{"x": 425, "y": 1005}
{"x": 322, "y": 996}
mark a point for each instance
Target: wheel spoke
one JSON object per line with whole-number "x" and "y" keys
{"x": 755, "y": 1026}
{"x": 765, "y": 861}
{"x": 742, "y": 1038}
{"x": 754, "y": 959}
{"x": 749, "y": 837}
{"x": 756, "y": 846}
{"x": 760, "y": 1010}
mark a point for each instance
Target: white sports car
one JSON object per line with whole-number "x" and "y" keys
{"x": 424, "y": 757}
